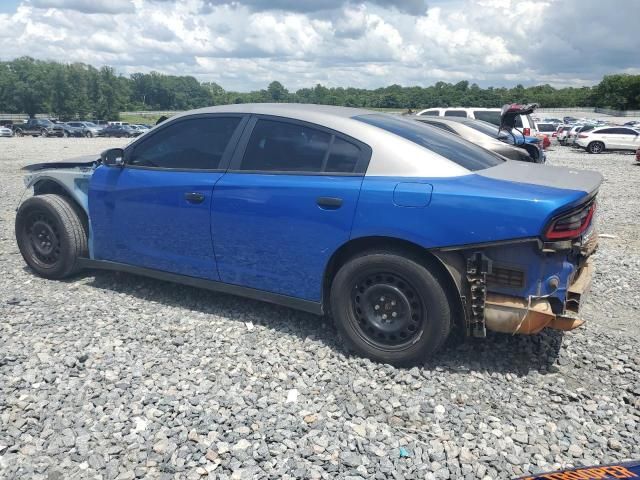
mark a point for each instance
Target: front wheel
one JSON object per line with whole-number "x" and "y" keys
{"x": 43, "y": 132}
{"x": 595, "y": 147}
{"x": 51, "y": 235}
{"x": 88, "y": 134}
{"x": 390, "y": 307}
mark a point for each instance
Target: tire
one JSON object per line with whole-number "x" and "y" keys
{"x": 65, "y": 134}
{"x": 51, "y": 235}
{"x": 43, "y": 132}
{"x": 88, "y": 135}
{"x": 417, "y": 315}
{"x": 595, "y": 147}
{"x": 19, "y": 133}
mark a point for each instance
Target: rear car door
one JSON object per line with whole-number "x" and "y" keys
{"x": 629, "y": 139}
{"x": 155, "y": 212}
{"x": 285, "y": 205}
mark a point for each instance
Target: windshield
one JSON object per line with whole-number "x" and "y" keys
{"x": 90, "y": 124}
{"x": 452, "y": 147}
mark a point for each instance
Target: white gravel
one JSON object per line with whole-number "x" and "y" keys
{"x": 115, "y": 376}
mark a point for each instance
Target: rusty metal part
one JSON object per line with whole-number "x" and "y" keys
{"x": 506, "y": 314}
{"x": 565, "y": 323}
{"x": 579, "y": 287}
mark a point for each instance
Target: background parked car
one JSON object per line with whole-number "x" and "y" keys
{"x": 88, "y": 129}
{"x": 597, "y": 140}
{"x": 6, "y": 132}
{"x": 531, "y": 145}
{"x": 119, "y": 131}
{"x": 524, "y": 123}
{"x": 562, "y": 133}
{"x": 461, "y": 128}
{"x": 71, "y": 131}
{"x": 39, "y": 127}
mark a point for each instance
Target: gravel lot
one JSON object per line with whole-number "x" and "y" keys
{"x": 116, "y": 376}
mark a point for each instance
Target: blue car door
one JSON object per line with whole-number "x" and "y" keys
{"x": 155, "y": 211}
{"x": 285, "y": 205}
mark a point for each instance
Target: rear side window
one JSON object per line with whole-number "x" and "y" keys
{"x": 454, "y": 148}
{"x": 431, "y": 113}
{"x": 285, "y": 147}
{"x": 276, "y": 146}
{"x": 455, "y": 113}
{"x": 546, "y": 127}
{"x": 607, "y": 130}
{"x": 343, "y": 157}
{"x": 487, "y": 116}
{"x": 193, "y": 144}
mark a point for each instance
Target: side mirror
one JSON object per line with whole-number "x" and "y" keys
{"x": 114, "y": 157}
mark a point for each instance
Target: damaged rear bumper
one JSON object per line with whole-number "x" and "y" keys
{"x": 508, "y": 314}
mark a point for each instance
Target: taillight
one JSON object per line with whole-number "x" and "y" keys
{"x": 583, "y": 135}
{"x": 526, "y": 132}
{"x": 546, "y": 142}
{"x": 571, "y": 225}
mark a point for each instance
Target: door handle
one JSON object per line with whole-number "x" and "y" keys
{"x": 194, "y": 197}
{"x": 329, "y": 203}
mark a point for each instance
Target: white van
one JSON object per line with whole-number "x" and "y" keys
{"x": 492, "y": 115}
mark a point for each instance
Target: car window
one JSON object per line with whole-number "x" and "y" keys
{"x": 546, "y": 127}
{"x": 441, "y": 126}
{"x": 196, "y": 143}
{"x": 285, "y": 147}
{"x": 487, "y": 116}
{"x": 607, "y": 130}
{"x": 465, "y": 154}
{"x": 625, "y": 131}
{"x": 455, "y": 113}
{"x": 518, "y": 121}
{"x": 431, "y": 113}
{"x": 343, "y": 157}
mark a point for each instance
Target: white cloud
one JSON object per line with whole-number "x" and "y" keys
{"x": 244, "y": 44}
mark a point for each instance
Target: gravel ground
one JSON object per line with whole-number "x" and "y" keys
{"x": 116, "y": 376}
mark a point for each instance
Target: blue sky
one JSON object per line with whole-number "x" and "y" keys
{"x": 8, "y": 6}
{"x": 245, "y": 44}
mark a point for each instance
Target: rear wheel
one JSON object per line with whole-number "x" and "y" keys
{"x": 390, "y": 307}
{"x": 51, "y": 235}
{"x": 595, "y": 147}
{"x": 89, "y": 134}
{"x": 43, "y": 132}
{"x": 19, "y": 133}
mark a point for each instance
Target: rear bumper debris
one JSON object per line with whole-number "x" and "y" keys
{"x": 508, "y": 314}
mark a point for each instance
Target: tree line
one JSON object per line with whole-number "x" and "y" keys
{"x": 78, "y": 90}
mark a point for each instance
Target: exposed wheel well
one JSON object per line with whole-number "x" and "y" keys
{"x": 47, "y": 186}
{"x": 355, "y": 246}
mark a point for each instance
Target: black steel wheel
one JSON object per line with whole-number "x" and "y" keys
{"x": 391, "y": 307}
{"x": 51, "y": 235}
{"x": 388, "y": 310}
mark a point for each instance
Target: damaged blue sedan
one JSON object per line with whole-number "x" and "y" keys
{"x": 399, "y": 231}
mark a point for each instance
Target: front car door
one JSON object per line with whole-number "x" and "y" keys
{"x": 155, "y": 211}
{"x": 285, "y": 205}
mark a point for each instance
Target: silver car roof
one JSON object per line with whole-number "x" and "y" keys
{"x": 391, "y": 155}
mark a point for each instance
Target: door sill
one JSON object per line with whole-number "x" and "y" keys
{"x": 255, "y": 294}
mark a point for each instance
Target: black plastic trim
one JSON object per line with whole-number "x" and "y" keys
{"x": 261, "y": 295}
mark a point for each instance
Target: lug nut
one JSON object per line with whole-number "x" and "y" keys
{"x": 384, "y": 316}
{"x": 394, "y": 314}
{"x": 377, "y": 307}
{"x": 382, "y": 299}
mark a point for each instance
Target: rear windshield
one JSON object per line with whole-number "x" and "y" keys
{"x": 487, "y": 116}
{"x": 546, "y": 127}
{"x": 452, "y": 147}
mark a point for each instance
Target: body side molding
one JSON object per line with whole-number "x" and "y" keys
{"x": 261, "y": 295}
